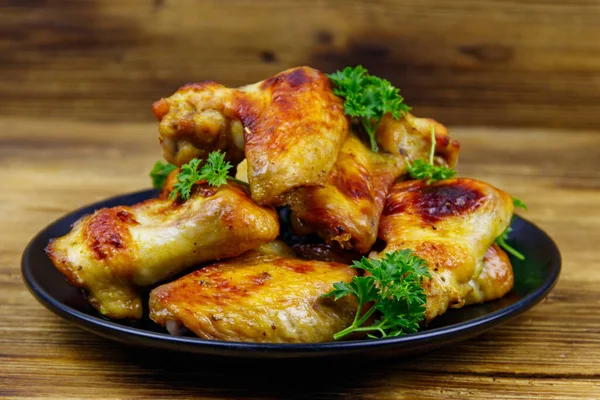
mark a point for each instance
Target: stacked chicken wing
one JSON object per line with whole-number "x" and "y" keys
{"x": 300, "y": 153}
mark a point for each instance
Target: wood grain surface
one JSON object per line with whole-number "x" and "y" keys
{"x": 52, "y": 166}
{"x": 465, "y": 62}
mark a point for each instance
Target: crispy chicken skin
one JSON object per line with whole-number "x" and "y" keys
{"x": 261, "y": 296}
{"x": 347, "y": 209}
{"x": 113, "y": 251}
{"x": 451, "y": 224}
{"x": 495, "y": 280}
{"x": 290, "y": 128}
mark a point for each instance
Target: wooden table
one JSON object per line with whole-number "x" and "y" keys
{"x": 552, "y": 351}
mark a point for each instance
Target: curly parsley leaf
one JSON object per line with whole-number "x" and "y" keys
{"x": 187, "y": 177}
{"x": 214, "y": 172}
{"x": 519, "y": 203}
{"x": 367, "y": 98}
{"x": 216, "y": 169}
{"x": 159, "y": 174}
{"x": 426, "y": 171}
{"x": 363, "y": 287}
{"x": 421, "y": 170}
{"x": 394, "y": 288}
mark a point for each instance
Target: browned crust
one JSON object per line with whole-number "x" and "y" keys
{"x": 107, "y": 232}
{"x": 435, "y": 202}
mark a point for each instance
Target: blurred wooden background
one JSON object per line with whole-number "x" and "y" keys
{"x": 464, "y": 62}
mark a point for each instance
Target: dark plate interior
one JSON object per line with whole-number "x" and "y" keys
{"x": 534, "y": 278}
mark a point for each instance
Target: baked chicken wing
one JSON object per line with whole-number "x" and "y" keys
{"x": 113, "y": 251}
{"x": 495, "y": 280}
{"x": 451, "y": 224}
{"x": 261, "y": 296}
{"x": 347, "y": 208}
{"x": 410, "y": 138}
{"x": 289, "y": 127}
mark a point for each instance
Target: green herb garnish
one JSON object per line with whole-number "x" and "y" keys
{"x": 367, "y": 98}
{"x": 394, "y": 287}
{"x": 422, "y": 170}
{"x": 501, "y": 240}
{"x": 159, "y": 174}
{"x": 214, "y": 172}
{"x": 519, "y": 203}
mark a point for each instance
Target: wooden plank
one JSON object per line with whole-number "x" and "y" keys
{"x": 552, "y": 351}
{"x": 464, "y": 62}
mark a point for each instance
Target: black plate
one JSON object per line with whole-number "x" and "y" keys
{"x": 534, "y": 278}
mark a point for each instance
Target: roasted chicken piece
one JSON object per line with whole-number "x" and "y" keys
{"x": 347, "y": 209}
{"x": 451, "y": 224}
{"x": 410, "y": 138}
{"x": 113, "y": 251}
{"x": 495, "y": 280}
{"x": 265, "y": 295}
{"x": 289, "y": 127}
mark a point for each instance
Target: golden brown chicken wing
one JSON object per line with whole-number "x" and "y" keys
{"x": 451, "y": 224}
{"x": 495, "y": 280}
{"x": 410, "y": 138}
{"x": 261, "y": 296}
{"x": 113, "y": 251}
{"x": 289, "y": 127}
{"x": 347, "y": 209}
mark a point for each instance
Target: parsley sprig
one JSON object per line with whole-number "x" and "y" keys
{"x": 422, "y": 170}
{"x": 501, "y": 240}
{"x": 367, "y": 98}
{"x": 394, "y": 287}
{"x": 159, "y": 174}
{"x": 519, "y": 203}
{"x": 214, "y": 172}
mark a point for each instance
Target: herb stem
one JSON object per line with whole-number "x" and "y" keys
{"x": 345, "y": 332}
{"x": 366, "y": 316}
{"x": 239, "y": 182}
{"x": 432, "y": 150}
{"x": 427, "y": 171}
{"x": 366, "y": 123}
{"x": 502, "y": 243}
{"x": 380, "y": 328}
{"x": 355, "y": 327}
